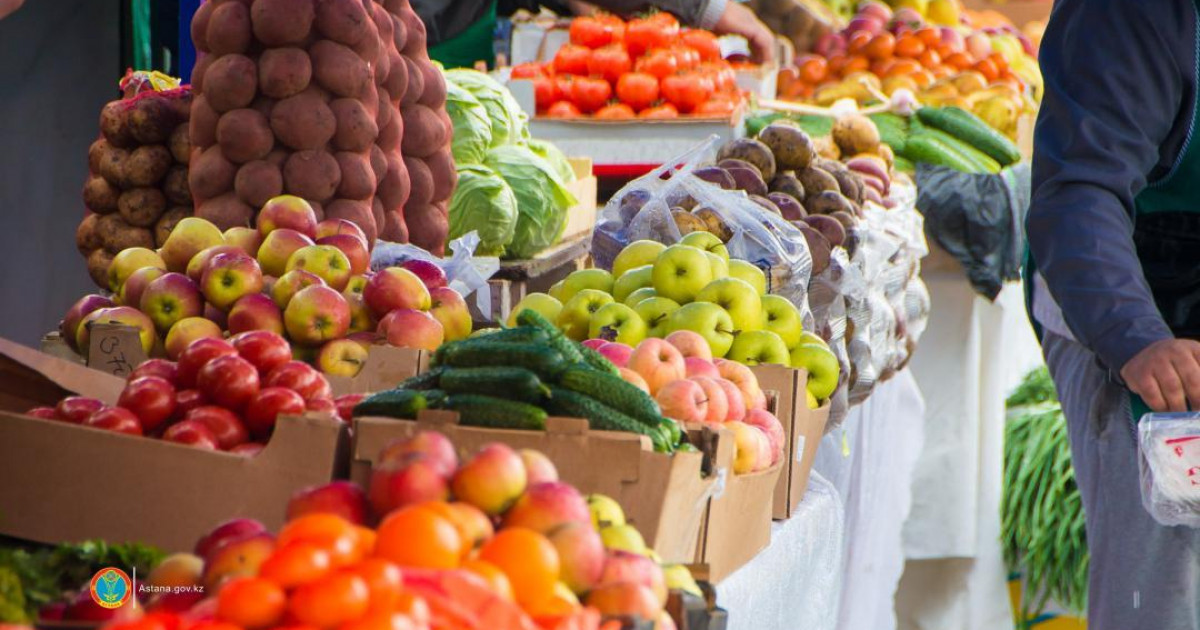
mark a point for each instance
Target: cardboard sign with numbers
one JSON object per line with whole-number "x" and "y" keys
{"x": 115, "y": 349}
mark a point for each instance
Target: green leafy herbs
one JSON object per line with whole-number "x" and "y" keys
{"x": 1036, "y": 387}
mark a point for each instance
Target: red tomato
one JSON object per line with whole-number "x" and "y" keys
{"x": 528, "y": 70}
{"x": 591, "y": 32}
{"x": 563, "y": 109}
{"x": 545, "y": 92}
{"x": 650, "y": 33}
{"x": 723, "y": 77}
{"x": 609, "y": 62}
{"x": 714, "y": 107}
{"x": 661, "y": 63}
{"x": 572, "y": 59}
{"x": 703, "y": 42}
{"x": 685, "y": 91}
{"x": 688, "y": 58}
{"x": 637, "y": 90}
{"x": 590, "y": 94}
{"x": 662, "y": 112}
{"x": 616, "y": 111}
{"x": 615, "y": 24}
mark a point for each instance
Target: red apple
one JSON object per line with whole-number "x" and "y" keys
{"x": 277, "y": 247}
{"x": 287, "y": 211}
{"x": 396, "y": 484}
{"x": 223, "y": 423}
{"x": 216, "y": 316}
{"x": 229, "y": 381}
{"x": 290, "y": 283}
{"x": 151, "y": 399}
{"x": 392, "y": 288}
{"x": 126, "y": 315}
{"x": 76, "y": 409}
{"x": 735, "y": 399}
{"x": 436, "y": 446}
{"x": 244, "y": 238}
{"x": 256, "y": 311}
{"x": 228, "y": 277}
{"x": 45, "y": 413}
{"x": 135, "y": 285}
{"x": 192, "y": 433}
{"x": 270, "y": 402}
{"x": 69, "y": 328}
{"x": 115, "y": 419}
{"x": 322, "y": 405}
{"x": 236, "y": 529}
{"x": 360, "y": 316}
{"x": 327, "y": 261}
{"x": 345, "y": 405}
{"x": 332, "y": 227}
{"x": 771, "y": 427}
{"x": 409, "y": 328}
{"x": 429, "y": 273}
{"x": 450, "y": 309}
{"x": 299, "y": 377}
{"x": 697, "y": 366}
{"x": 354, "y": 249}
{"x": 342, "y": 498}
{"x": 342, "y": 357}
{"x": 161, "y": 368}
{"x": 197, "y": 355}
{"x": 594, "y": 344}
{"x": 187, "y": 331}
{"x": 616, "y": 352}
{"x": 264, "y": 350}
{"x": 187, "y": 400}
{"x": 315, "y": 315}
{"x": 683, "y": 400}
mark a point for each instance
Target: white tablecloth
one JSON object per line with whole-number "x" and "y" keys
{"x": 796, "y": 582}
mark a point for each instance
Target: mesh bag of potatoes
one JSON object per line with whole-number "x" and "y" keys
{"x": 137, "y": 186}
{"x": 335, "y": 101}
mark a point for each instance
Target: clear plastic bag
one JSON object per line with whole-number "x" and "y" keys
{"x": 465, "y": 272}
{"x": 1169, "y": 460}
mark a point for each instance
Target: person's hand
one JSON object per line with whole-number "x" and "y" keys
{"x": 1166, "y": 374}
{"x": 739, "y": 20}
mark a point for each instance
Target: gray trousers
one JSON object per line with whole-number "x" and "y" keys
{"x": 1143, "y": 576}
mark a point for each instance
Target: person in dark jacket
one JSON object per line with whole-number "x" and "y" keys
{"x": 1114, "y": 237}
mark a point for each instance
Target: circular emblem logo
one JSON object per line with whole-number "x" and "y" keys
{"x": 111, "y": 588}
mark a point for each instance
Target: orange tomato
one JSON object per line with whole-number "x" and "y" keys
{"x": 882, "y": 46}
{"x": 814, "y": 69}
{"x": 880, "y": 68}
{"x": 332, "y": 533}
{"x": 715, "y": 107}
{"x": 837, "y": 61}
{"x": 988, "y": 69}
{"x": 703, "y": 42}
{"x": 943, "y": 71}
{"x": 384, "y": 582}
{"x": 561, "y": 602}
{"x": 945, "y": 50}
{"x": 614, "y": 111}
{"x": 419, "y": 537}
{"x": 858, "y": 42}
{"x": 382, "y": 620}
{"x": 528, "y": 559}
{"x": 331, "y": 601}
{"x": 563, "y": 109}
{"x": 251, "y": 602}
{"x": 904, "y": 67}
{"x": 366, "y": 541}
{"x": 495, "y": 578}
{"x": 413, "y": 605}
{"x": 930, "y": 36}
{"x": 856, "y": 63}
{"x": 661, "y": 112}
{"x": 923, "y": 78}
{"x": 930, "y": 59}
{"x": 214, "y": 625}
{"x": 909, "y": 46}
{"x": 960, "y": 61}
{"x": 296, "y": 564}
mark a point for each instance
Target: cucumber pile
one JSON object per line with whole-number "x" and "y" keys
{"x": 946, "y": 136}
{"x": 515, "y": 378}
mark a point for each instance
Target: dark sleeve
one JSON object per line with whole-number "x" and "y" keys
{"x": 1114, "y": 75}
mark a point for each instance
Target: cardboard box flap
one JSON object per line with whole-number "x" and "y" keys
{"x": 29, "y": 378}
{"x": 386, "y": 367}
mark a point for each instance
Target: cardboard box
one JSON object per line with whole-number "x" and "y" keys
{"x": 385, "y": 368}
{"x": 737, "y": 523}
{"x": 63, "y": 482}
{"x": 664, "y": 496}
{"x": 112, "y": 348}
{"x": 581, "y": 217}
{"x": 802, "y": 430}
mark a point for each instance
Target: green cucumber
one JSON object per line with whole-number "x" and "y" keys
{"x": 902, "y": 164}
{"x": 596, "y": 361}
{"x": 512, "y": 383}
{"x": 398, "y": 403}
{"x": 541, "y": 359}
{"x": 477, "y": 410}
{"x": 983, "y": 160}
{"x": 925, "y": 148}
{"x": 972, "y": 130}
{"x": 424, "y": 380}
{"x": 600, "y": 417}
{"x": 615, "y": 392}
{"x": 521, "y": 334}
{"x": 558, "y": 341}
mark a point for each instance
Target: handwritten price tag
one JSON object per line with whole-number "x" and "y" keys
{"x": 115, "y": 349}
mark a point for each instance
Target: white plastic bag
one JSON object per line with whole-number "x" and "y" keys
{"x": 465, "y": 272}
{"x": 1169, "y": 460}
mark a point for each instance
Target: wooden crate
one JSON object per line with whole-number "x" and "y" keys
{"x": 518, "y": 278}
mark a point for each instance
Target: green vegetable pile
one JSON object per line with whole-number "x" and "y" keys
{"x": 512, "y": 189}
{"x": 1042, "y": 527}
{"x": 515, "y": 378}
{"x": 31, "y": 578}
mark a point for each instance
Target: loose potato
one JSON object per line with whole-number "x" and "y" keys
{"x": 114, "y": 124}
{"x": 729, "y": 163}
{"x": 391, "y": 134}
{"x": 119, "y": 235}
{"x": 421, "y": 180}
{"x": 166, "y": 223}
{"x": 244, "y": 135}
{"x": 680, "y": 198}
{"x": 175, "y": 186}
{"x": 231, "y": 82}
{"x": 424, "y": 132}
{"x": 226, "y": 211}
{"x": 752, "y": 151}
{"x": 416, "y": 84}
{"x": 378, "y": 163}
{"x": 395, "y": 188}
{"x": 211, "y": 174}
{"x": 748, "y": 180}
{"x": 827, "y": 148}
{"x": 829, "y": 227}
{"x": 203, "y": 61}
{"x": 355, "y": 126}
{"x": 303, "y": 121}
{"x": 199, "y": 26}
{"x": 97, "y": 266}
{"x": 793, "y": 149}
{"x": 714, "y": 224}
{"x": 312, "y": 175}
{"x": 850, "y": 183}
{"x": 434, "y": 94}
{"x": 96, "y": 153}
{"x": 180, "y": 144}
{"x": 150, "y": 120}
{"x": 819, "y": 247}
{"x": 445, "y": 177}
{"x": 283, "y": 72}
{"x": 318, "y": 209}
{"x": 847, "y": 220}
{"x": 687, "y": 222}
{"x": 100, "y": 196}
{"x": 356, "y": 212}
{"x": 282, "y": 22}
{"x": 141, "y": 207}
{"x": 86, "y": 238}
{"x": 716, "y": 175}
{"x": 787, "y": 183}
{"x": 396, "y": 81}
{"x": 339, "y": 69}
{"x": 112, "y": 168}
{"x": 229, "y": 29}
{"x": 394, "y": 228}
{"x": 358, "y": 180}
{"x": 827, "y": 202}
{"x": 148, "y": 164}
{"x": 428, "y": 226}
{"x": 816, "y": 181}
{"x": 767, "y": 204}
{"x": 343, "y": 21}
{"x": 278, "y": 157}
{"x": 789, "y": 207}
{"x": 264, "y": 105}
{"x": 202, "y": 127}
{"x": 257, "y": 182}
{"x": 855, "y": 134}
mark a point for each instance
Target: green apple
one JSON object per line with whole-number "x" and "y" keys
{"x": 738, "y": 298}
{"x": 556, "y": 290}
{"x": 756, "y": 347}
{"x": 636, "y": 254}
{"x": 782, "y": 317}
{"x": 709, "y": 320}
{"x": 707, "y": 241}
{"x": 616, "y": 322}
{"x": 630, "y": 281}
{"x": 750, "y": 273}
{"x": 656, "y": 312}
{"x": 597, "y": 279}
{"x": 643, "y": 293}
{"x": 822, "y": 368}
{"x": 720, "y": 266}
{"x": 576, "y": 315}
{"x": 681, "y": 272}
{"x": 543, "y": 304}
{"x": 808, "y": 337}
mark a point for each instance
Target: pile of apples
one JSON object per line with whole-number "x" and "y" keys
{"x": 219, "y": 395}
{"x": 292, "y": 275}
{"x": 690, "y": 386}
{"x": 516, "y": 547}
{"x": 655, "y": 290}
